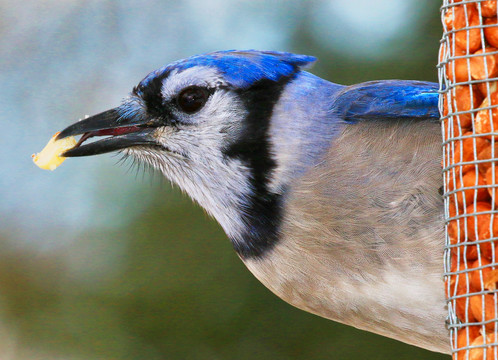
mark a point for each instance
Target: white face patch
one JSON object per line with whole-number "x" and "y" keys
{"x": 198, "y": 75}
{"x": 220, "y": 187}
{"x": 193, "y": 155}
{"x": 223, "y": 108}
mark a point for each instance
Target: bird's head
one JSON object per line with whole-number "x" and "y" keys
{"x": 204, "y": 122}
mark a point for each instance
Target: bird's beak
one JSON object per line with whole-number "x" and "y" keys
{"x": 123, "y": 133}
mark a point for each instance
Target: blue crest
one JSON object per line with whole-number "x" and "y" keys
{"x": 241, "y": 68}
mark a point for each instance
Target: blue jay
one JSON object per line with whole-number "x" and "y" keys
{"x": 328, "y": 193}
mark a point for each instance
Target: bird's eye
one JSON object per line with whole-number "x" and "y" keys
{"x": 192, "y": 99}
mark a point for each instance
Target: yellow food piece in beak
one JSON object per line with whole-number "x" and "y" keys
{"x": 49, "y": 158}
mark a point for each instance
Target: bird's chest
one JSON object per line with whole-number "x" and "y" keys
{"x": 405, "y": 305}
{"x": 306, "y": 281}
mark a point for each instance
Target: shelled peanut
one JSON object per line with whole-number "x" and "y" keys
{"x": 471, "y": 160}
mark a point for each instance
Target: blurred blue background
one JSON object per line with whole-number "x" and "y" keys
{"x": 107, "y": 261}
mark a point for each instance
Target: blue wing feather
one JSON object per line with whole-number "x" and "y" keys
{"x": 388, "y": 100}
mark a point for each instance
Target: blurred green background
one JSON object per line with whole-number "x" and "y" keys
{"x": 99, "y": 261}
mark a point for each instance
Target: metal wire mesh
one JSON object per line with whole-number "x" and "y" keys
{"x": 468, "y": 75}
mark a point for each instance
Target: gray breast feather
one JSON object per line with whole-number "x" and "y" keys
{"x": 363, "y": 234}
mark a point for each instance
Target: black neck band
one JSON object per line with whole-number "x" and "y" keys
{"x": 263, "y": 213}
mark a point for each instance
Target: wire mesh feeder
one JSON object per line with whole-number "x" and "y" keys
{"x": 468, "y": 70}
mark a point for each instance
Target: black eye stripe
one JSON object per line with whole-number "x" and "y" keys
{"x": 152, "y": 96}
{"x": 195, "y": 97}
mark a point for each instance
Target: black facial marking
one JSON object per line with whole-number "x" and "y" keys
{"x": 190, "y": 100}
{"x": 263, "y": 213}
{"x": 152, "y": 95}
